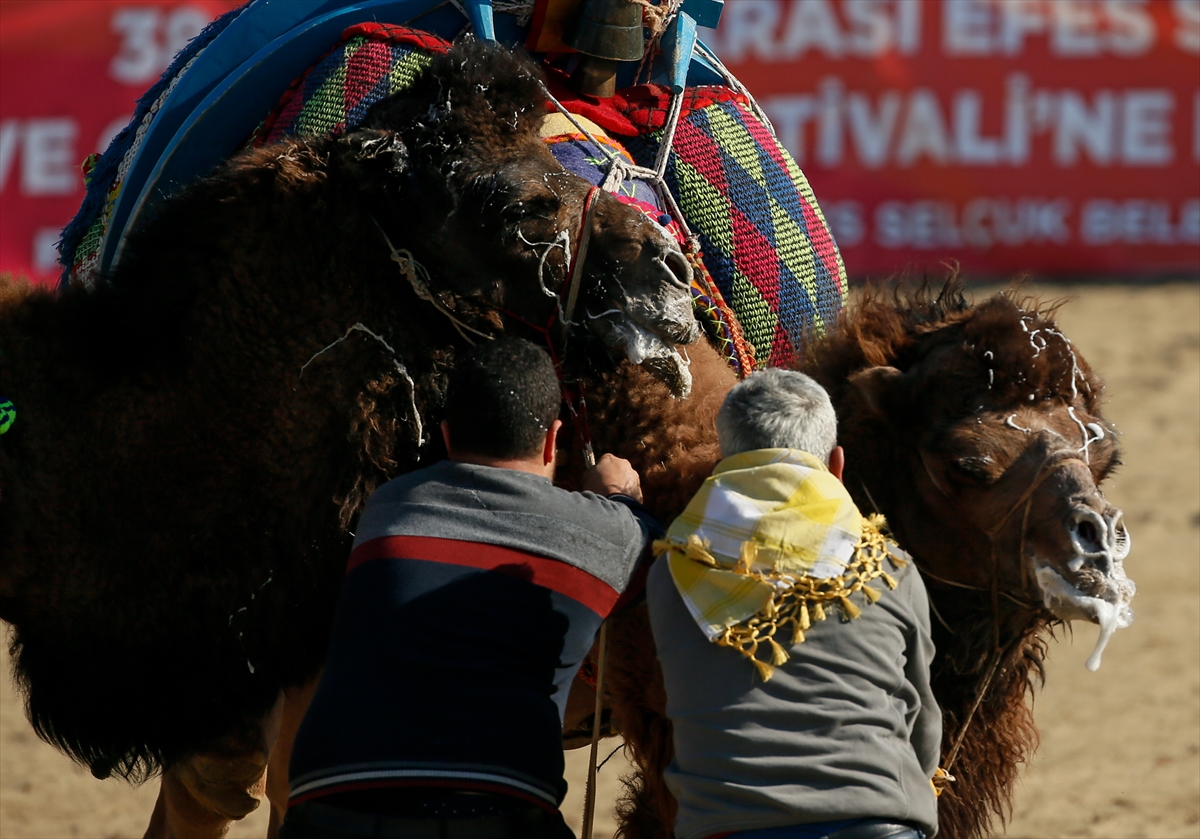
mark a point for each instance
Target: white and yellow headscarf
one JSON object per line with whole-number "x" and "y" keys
{"x": 771, "y": 538}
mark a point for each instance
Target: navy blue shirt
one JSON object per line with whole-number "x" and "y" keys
{"x": 471, "y": 597}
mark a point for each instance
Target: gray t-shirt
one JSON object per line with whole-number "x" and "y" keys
{"x": 847, "y": 728}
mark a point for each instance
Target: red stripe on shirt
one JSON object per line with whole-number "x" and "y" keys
{"x": 553, "y": 574}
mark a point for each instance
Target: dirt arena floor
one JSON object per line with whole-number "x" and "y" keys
{"x": 1120, "y": 753}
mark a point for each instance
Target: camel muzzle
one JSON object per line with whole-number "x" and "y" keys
{"x": 1094, "y": 586}
{"x": 647, "y": 328}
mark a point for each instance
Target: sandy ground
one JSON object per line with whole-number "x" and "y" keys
{"x": 1120, "y": 754}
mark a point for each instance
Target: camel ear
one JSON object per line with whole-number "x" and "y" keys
{"x": 883, "y": 390}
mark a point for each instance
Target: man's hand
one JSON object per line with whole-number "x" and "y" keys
{"x": 613, "y": 475}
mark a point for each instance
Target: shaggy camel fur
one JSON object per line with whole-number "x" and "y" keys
{"x": 983, "y": 447}
{"x": 195, "y": 435}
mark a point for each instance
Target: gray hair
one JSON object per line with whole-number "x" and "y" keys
{"x": 777, "y": 409}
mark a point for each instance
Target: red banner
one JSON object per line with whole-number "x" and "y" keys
{"x": 70, "y": 74}
{"x": 1057, "y": 136}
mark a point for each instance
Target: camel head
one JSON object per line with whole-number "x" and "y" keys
{"x": 499, "y": 224}
{"x": 995, "y": 418}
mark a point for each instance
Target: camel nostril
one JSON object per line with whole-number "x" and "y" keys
{"x": 1092, "y": 539}
{"x": 1087, "y": 534}
{"x": 1100, "y": 539}
{"x": 680, "y": 268}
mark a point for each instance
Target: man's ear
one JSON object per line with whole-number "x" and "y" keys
{"x": 884, "y": 391}
{"x": 837, "y": 462}
{"x": 548, "y": 448}
{"x": 446, "y": 438}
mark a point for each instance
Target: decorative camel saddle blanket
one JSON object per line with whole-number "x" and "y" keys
{"x": 768, "y": 542}
{"x": 767, "y": 270}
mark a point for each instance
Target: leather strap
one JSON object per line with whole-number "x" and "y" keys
{"x": 872, "y": 830}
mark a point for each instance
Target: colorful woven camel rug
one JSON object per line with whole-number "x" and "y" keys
{"x": 767, "y": 271}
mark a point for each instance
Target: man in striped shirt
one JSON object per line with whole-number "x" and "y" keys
{"x": 474, "y": 590}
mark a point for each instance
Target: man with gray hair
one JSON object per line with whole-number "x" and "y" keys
{"x": 778, "y": 408}
{"x": 818, "y": 721}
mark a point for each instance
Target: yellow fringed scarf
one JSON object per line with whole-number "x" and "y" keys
{"x": 771, "y": 539}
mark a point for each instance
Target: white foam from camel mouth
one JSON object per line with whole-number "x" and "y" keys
{"x": 1069, "y": 603}
{"x": 663, "y": 360}
{"x": 645, "y": 349}
{"x": 672, "y": 369}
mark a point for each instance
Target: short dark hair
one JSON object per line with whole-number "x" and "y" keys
{"x": 502, "y": 397}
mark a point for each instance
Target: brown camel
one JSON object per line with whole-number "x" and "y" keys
{"x": 923, "y": 386}
{"x": 195, "y": 435}
{"x": 977, "y": 431}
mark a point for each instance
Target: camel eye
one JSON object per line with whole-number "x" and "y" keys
{"x": 1103, "y": 470}
{"x": 979, "y": 470}
{"x": 535, "y": 207}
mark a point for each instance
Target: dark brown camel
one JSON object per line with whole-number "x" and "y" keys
{"x": 195, "y": 436}
{"x": 193, "y": 439}
{"x": 977, "y": 431}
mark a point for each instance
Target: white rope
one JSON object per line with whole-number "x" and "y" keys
{"x": 619, "y": 171}
{"x": 400, "y": 368}
{"x": 664, "y": 149}
{"x": 580, "y": 128}
{"x": 660, "y": 14}
{"x": 660, "y": 166}
{"x": 732, "y": 80}
{"x": 521, "y": 9}
{"x": 658, "y": 19}
{"x": 563, "y": 240}
{"x": 418, "y": 278}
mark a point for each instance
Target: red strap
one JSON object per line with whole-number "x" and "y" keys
{"x": 562, "y": 577}
{"x": 575, "y": 268}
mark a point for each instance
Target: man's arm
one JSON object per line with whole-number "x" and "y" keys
{"x": 615, "y": 478}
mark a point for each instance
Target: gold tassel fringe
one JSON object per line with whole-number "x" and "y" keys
{"x": 803, "y": 601}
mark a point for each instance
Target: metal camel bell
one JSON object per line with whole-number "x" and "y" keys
{"x": 605, "y": 32}
{"x": 609, "y": 29}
